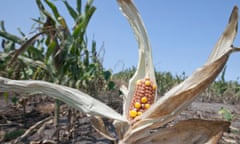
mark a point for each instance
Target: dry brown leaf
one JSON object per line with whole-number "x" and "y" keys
{"x": 215, "y": 139}
{"x": 145, "y": 66}
{"x": 188, "y": 132}
{"x": 179, "y": 97}
{"x": 99, "y": 125}
{"x": 70, "y": 96}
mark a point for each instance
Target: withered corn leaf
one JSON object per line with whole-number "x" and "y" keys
{"x": 100, "y": 126}
{"x": 70, "y": 96}
{"x": 145, "y": 66}
{"x": 179, "y": 97}
{"x": 191, "y": 131}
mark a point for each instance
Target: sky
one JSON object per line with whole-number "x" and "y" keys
{"x": 182, "y": 33}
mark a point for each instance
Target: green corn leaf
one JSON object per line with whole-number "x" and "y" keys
{"x": 77, "y": 31}
{"x": 53, "y": 8}
{"x": 111, "y": 85}
{"x": 27, "y": 61}
{"x": 38, "y": 21}
{"x": 25, "y": 46}
{"x": 71, "y": 11}
{"x": 40, "y": 5}
{"x": 94, "y": 52}
{"x": 107, "y": 75}
{"x": 79, "y": 7}
{"x": 88, "y": 5}
{"x": 11, "y": 37}
{"x": 63, "y": 23}
{"x": 50, "y": 50}
{"x": 8, "y": 45}
{"x": 21, "y": 32}
{"x": 90, "y": 12}
{"x": 43, "y": 10}
{"x": 80, "y": 29}
{"x": 34, "y": 53}
{"x": 2, "y": 25}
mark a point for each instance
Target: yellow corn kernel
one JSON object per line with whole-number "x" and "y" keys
{"x": 137, "y": 105}
{"x": 144, "y": 99}
{"x": 133, "y": 113}
{"x": 139, "y": 113}
{"x": 147, "y": 106}
{"x": 154, "y": 87}
{"x": 147, "y": 82}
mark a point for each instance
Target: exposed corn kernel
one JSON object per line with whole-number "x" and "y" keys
{"x": 147, "y": 106}
{"x": 139, "y": 113}
{"x": 144, "y": 99}
{"x": 147, "y": 82}
{"x": 133, "y": 113}
{"x": 137, "y": 105}
{"x": 154, "y": 87}
{"x": 138, "y": 82}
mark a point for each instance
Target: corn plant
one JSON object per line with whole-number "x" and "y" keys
{"x": 221, "y": 84}
{"x": 144, "y": 114}
{"x": 49, "y": 54}
{"x": 125, "y": 75}
{"x": 56, "y": 53}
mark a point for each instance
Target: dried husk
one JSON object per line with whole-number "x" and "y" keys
{"x": 179, "y": 97}
{"x": 145, "y": 66}
{"x": 70, "y": 96}
{"x": 192, "y": 131}
{"x": 100, "y": 126}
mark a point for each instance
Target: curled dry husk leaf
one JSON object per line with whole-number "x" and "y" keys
{"x": 70, "y": 96}
{"x": 178, "y": 98}
{"x": 145, "y": 66}
{"x": 192, "y": 131}
{"x": 100, "y": 126}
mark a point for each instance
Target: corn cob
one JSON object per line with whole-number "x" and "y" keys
{"x": 143, "y": 97}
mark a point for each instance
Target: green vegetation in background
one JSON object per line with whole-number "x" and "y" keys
{"x": 166, "y": 80}
{"x": 56, "y": 52}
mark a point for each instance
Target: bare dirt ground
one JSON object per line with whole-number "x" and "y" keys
{"x": 36, "y": 126}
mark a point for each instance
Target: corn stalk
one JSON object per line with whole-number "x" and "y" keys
{"x": 147, "y": 127}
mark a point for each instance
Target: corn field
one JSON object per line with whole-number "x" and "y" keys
{"x": 58, "y": 65}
